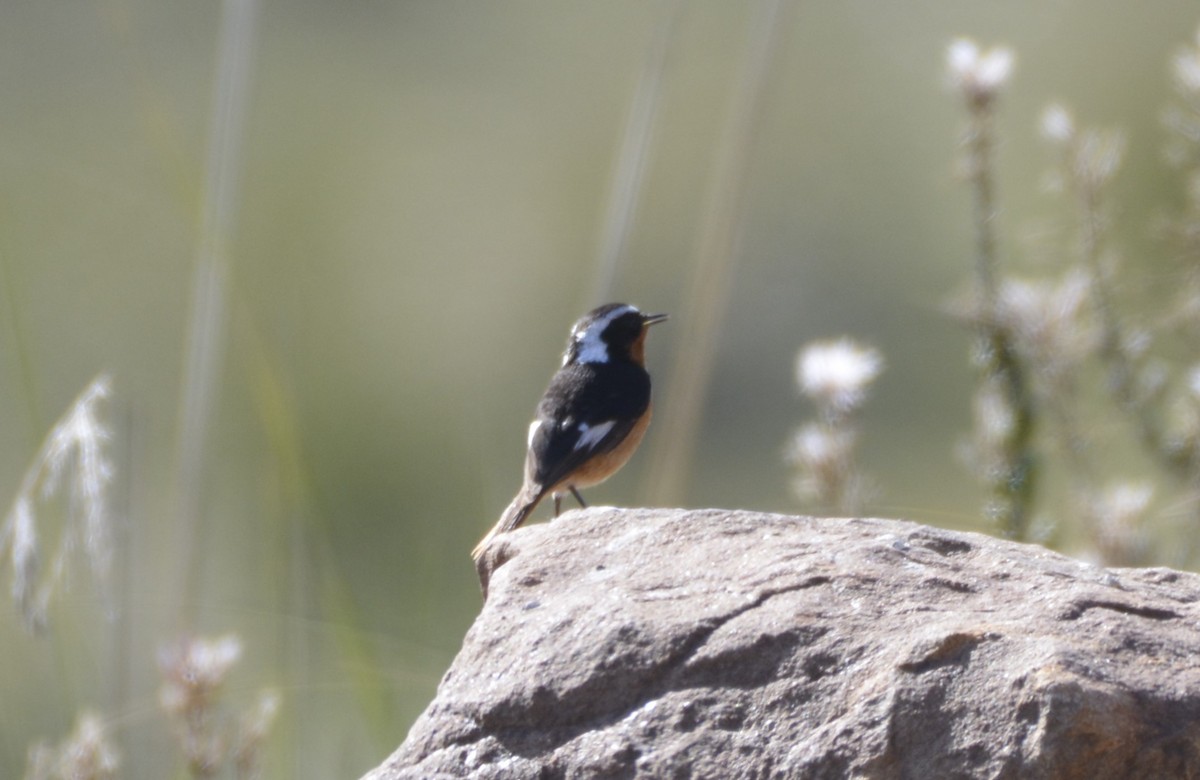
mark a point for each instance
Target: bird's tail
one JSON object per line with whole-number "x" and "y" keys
{"x": 525, "y": 502}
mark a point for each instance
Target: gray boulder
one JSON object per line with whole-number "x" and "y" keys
{"x": 724, "y": 644}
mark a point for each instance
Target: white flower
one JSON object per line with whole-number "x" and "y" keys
{"x": 817, "y": 448}
{"x": 1057, "y": 124}
{"x": 823, "y": 458}
{"x": 979, "y": 74}
{"x": 1126, "y": 500}
{"x": 1194, "y": 381}
{"x": 1098, "y": 156}
{"x": 86, "y": 753}
{"x": 257, "y": 721}
{"x": 1187, "y": 70}
{"x": 193, "y": 668}
{"x": 994, "y": 68}
{"x": 962, "y": 58}
{"x": 837, "y": 373}
{"x": 254, "y": 727}
{"x": 1050, "y": 316}
{"x": 994, "y": 415}
{"x": 212, "y": 659}
{"x": 1118, "y": 513}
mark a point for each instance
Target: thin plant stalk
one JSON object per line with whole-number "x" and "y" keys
{"x": 1013, "y": 485}
{"x": 1011, "y": 477}
{"x": 1122, "y": 366}
{"x": 633, "y": 158}
{"x": 205, "y": 335}
{"x": 711, "y": 283}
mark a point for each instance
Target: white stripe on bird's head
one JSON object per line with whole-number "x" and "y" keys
{"x": 587, "y": 337}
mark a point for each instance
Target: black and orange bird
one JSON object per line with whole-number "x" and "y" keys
{"x": 592, "y": 416}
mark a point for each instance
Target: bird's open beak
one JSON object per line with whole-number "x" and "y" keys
{"x": 653, "y": 319}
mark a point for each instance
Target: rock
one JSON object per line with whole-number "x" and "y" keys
{"x": 722, "y": 644}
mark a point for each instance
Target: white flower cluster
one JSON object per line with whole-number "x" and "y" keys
{"x": 1051, "y": 319}
{"x": 87, "y": 754}
{"x": 979, "y": 74}
{"x": 194, "y": 669}
{"x": 835, "y": 375}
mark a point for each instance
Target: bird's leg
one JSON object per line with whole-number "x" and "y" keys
{"x": 578, "y": 497}
{"x": 557, "y": 504}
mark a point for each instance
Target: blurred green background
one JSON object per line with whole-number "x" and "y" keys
{"x": 422, "y": 193}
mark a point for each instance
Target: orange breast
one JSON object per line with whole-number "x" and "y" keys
{"x": 604, "y": 466}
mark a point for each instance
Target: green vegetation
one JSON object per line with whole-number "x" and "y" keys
{"x": 279, "y": 286}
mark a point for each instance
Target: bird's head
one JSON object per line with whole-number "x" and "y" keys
{"x": 615, "y": 331}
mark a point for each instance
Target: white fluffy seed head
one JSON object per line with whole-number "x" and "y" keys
{"x": 837, "y": 373}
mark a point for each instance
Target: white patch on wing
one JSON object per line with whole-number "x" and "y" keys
{"x": 533, "y": 429}
{"x": 590, "y": 435}
{"x": 592, "y": 348}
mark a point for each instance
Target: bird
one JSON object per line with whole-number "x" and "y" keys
{"x": 591, "y": 417}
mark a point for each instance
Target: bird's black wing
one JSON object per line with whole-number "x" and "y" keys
{"x": 588, "y": 410}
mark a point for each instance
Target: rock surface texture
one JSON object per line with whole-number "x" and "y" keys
{"x": 723, "y": 644}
